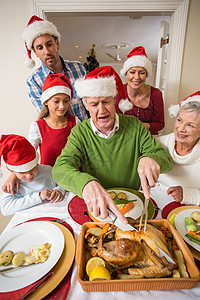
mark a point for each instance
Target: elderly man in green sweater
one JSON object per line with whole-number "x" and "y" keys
{"x": 112, "y": 150}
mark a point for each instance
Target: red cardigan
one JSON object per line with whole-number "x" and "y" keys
{"x": 153, "y": 114}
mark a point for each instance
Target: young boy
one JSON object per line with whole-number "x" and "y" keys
{"x": 35, "y": 181}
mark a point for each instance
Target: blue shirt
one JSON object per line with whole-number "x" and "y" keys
{"x": 73, "y": 70}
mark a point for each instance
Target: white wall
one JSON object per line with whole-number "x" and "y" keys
{"x": 190, "y": 78}
{"x": 16, "y": 111}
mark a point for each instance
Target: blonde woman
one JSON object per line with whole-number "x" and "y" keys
{"x": 142, "y": 100}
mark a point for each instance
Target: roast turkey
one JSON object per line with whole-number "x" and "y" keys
{"x": 131, "y": 250}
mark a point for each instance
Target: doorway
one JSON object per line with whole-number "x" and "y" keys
{"x": 114, "y": 36}
{"x": 178, "y": 11}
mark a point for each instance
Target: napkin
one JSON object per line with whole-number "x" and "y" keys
{"x": 26, "y": 291}
{"x": 77, "y": 209}
{"x": 60, "y": 292}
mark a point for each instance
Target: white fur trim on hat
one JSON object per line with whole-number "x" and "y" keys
{"x": 174, "y": 109}
{"x": 96, "y": 87}
{"x": 125, "y": 105}
{"x": 191, "y": 99}
{"x": 25, "y": 167}
{"x": 48, "y": 93}
{"x": 38, "y": 28}
{"x": 137, "y": 61}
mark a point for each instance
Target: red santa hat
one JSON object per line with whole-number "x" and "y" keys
{"x": 18, "y": 154}
{"x": 55, "y": 84}
{"x": 101, "y": 82}
{"x": 36, "y": 27}
{"x": 137, "y": 58}
{"x": 174, "y": 109}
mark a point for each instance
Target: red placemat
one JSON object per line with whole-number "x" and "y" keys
{"x": 60, "y": 292}
{"x": 26, "y": 291}
{"x": 78, "y": 210}
{"x": 169, "y": 207}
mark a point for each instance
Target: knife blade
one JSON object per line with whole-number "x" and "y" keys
{"x": 116, "y": 221}
{"x": 168, "y": 258}
{"x": 123, "y": 226}
{"x": 13, "y": 268}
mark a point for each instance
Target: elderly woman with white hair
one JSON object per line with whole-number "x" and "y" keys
{"x": 143, "y": 101}
{"x": 183, "y": 181}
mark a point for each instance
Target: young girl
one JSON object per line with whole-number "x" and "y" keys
{"x": 54, "y": 123}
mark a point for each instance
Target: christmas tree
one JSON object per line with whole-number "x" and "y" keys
{"x": 92, "y": 62}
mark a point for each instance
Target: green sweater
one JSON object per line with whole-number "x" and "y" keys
{"x": 112, "y": 162}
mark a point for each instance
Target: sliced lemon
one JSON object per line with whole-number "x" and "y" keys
{"x": 99, "y": 273}
{"x": 93, "y": 263}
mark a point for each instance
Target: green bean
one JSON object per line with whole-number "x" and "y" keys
{"x": 193, "y": 238}
{"x": 122, "y": 201}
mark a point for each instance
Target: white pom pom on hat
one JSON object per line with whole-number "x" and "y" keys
{"x": 35, "y": 28}
{"x": 29, "y": 62}
{"x": 137, "y": 58}
{"x": 125, "y": 105}
{"x": 174, "y": 108}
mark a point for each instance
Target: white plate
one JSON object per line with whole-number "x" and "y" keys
{"x": 181, "y": 227}
{"x": 24, "y": 238}
{"x": 134, "y": 213}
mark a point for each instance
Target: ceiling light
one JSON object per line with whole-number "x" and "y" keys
{"x": 120, "y": 45}
{"x": 76, "y": 46}
{"x": 116, "y": 46}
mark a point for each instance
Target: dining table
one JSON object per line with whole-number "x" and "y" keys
{"x": 61, "y": 211}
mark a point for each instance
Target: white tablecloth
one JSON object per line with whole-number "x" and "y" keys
{"x": 59, "y": 210}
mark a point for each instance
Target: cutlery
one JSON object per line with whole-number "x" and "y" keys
{"x": 60, "y": 221}
{"x": 144, "y": 214}
{"x": 13, "y": 268}
{"x": 38, "y": 284}
{"x": 116, "y": 221}
{"x": 168, "y": 258}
